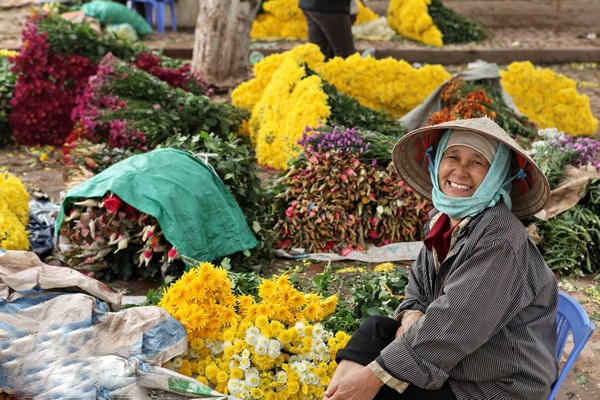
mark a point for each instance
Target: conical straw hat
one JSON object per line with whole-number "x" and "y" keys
{"x": 529, "y": 195}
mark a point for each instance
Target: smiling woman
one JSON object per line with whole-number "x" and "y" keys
{"x": 479, "y": 310}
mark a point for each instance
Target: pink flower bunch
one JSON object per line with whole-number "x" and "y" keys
{"x": 181, "y": 77}
{"x": 108, "y": 234}
{"x": 45, "y": 91}
{"x": 335, "y": 202}
{"x": 94, "y": 102}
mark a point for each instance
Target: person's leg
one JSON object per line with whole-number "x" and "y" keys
{"x": 413, "y": 392}
{"x": 337, "y": 28}
{"x": 316, "y": 34}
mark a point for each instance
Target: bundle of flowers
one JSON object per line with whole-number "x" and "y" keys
{"x": 284, "y": 19}
{"x": 247, "y": 94}
{"x": 461, "y": 99}
{"x": 46, "y": 86}
{"x": 127, "y": 107}
{"x": 430, "y": 22}
{"x": 285, "y": 97}
{"x": 53, "y": 68}
{"x": 549, "y": 99}
{"x": 571, "y": 240}
{"x": 174, "y": 72}
{"x": 392, "y": 85}
{"x": 7, "y": 85}
{"x": 387, "y": 84}
{"x": 109, "y": 238}
{"x": 334, "y": 199}
{"x": 291, "y": 101}
{"x": 410, "y": 19}
{"x": 14, "y": 213}
{"x": 266, "y": 347}
{"x": 557, "y": 150}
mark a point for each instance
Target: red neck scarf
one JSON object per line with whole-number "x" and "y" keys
{"x": 439, "y": 237}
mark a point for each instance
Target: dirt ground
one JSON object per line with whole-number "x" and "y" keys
{"x": 525, "y": 24}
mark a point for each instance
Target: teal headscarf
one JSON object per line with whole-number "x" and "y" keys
{"x": 488, "y": 194}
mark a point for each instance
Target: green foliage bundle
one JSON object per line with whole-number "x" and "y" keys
{"x": 68, "y": 38}
{"x": 361, "y": 295}
{"x": 571, "y": 241}
{"x": 454, "y": 27}
{"x": 129, "y": 107}
{"x": 7, "y": 87}
{"x": 347, "y": 111}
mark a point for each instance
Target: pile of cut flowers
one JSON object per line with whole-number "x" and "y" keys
{"x": 14, "y": 213}
{"x": 341, "y": 196}
{"x": 264, "y": 346}
{"x": 570, "y": 241}
{"x": 109, "y": 239}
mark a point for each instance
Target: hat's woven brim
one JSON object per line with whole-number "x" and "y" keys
{"x": 405, "y": 155}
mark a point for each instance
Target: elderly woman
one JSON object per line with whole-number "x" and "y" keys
{"x": 478, "y": 319}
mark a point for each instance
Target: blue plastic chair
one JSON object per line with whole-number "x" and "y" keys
{"x": 158, "y": 6}
{"x": 570, "y": 318}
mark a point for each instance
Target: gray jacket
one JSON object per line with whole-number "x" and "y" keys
{"x": 489, "y": 323}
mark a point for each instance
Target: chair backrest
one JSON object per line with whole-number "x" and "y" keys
{"x": 570, "y": 318}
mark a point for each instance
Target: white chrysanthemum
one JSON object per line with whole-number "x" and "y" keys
{"x": 281, "y": 376}
{"x": 317, "y": 331}
{"x": 252, "y": 377}
{"x": 245, "y": 364}
{"x": 274, "y": 348}
{"x": 234, "y": 385}
{"x": 262, "y": 346}
{"x": 252, "y": 335}
{"x": 246, "y": 353}
{"x": 300, "y": 327}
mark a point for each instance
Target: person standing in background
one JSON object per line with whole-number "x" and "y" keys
{"x": 330, "y": 25}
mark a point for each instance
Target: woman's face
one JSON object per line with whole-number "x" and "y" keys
{"x": 462, "y": 170}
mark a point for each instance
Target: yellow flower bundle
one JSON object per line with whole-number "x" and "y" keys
{"x": 284, "y": 19}
{"x": 283, "y": 100}
{"x": 8, "y": 53}
{"x": 272, "y": 347}
{"x": 14, "y": 213}
{"x": 290, "y": 102}
{"x": 248, "y": 93}
{"x": 549, "y": 99}
{"x": 389, "y": 84}
{"x": 411, "y": 19}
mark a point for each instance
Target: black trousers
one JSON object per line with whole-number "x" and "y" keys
{"x": 332, "y": 32}
{"x": 365, "y": 345}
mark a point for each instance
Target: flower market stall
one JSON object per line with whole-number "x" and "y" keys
{"x": 166, "y": 179}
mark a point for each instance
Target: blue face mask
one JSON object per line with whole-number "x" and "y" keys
{"x": 488, "y": 194}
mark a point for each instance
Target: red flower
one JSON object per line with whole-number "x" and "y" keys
{"x": 112, "y": 203}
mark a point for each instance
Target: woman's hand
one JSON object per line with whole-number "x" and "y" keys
{"x": 407, "y": 320}
{"x": 361, "y": 385}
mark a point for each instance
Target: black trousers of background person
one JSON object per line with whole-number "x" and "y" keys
{"x": 365, "y": 345}
{"x": 332, "y": 32}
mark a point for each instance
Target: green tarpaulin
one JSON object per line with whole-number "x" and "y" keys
{"x": 196, "y": 212}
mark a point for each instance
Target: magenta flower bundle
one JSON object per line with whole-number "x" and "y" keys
{"x": 111, "y": 239}
{"x": 46, "y": 87}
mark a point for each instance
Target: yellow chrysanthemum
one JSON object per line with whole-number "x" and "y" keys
{"x": 8, "y": 53}
{"x": 389, "y": 84}
{"x": 549, "y": 99}
{"x": 291, "y": 101}
{"x": 248, "y": 93}
{"x": 411, "y": 19}
{"x": 14, "y": 213}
